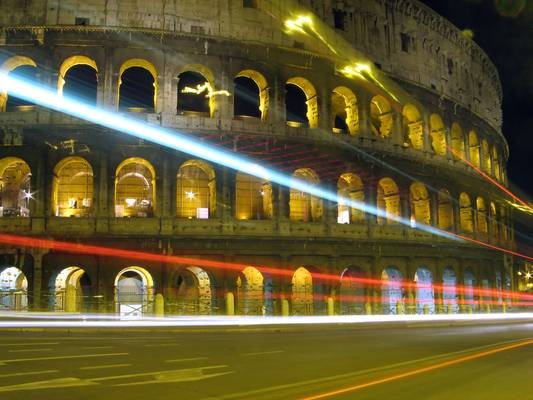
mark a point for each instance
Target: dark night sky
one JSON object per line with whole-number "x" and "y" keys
{"x": 508, "y": 40}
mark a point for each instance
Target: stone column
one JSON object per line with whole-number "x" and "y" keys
{"x": 37, "y": 282}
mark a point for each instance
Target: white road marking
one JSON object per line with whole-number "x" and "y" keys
{"x": 160, "y": 374}
{"x": 105, "y": 366}
{"x": 175, "y": 379}
{"x": 2, "y": 362}
{"x": 27, "y": 350}
{"x": 260, "y": 353}
{"x": 162, "y": 344}
{"x": 186, "y": 359}
{"x": 28, "y": 344}
{"x": 52, "y": 383}
{"x": 48, "y": 371}
{"x": 97, "y": 347}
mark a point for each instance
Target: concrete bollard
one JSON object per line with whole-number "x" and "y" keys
{"x": 368, "y": 309}
{"x": 426, "y": 309}
{"x": 487, "y": 308}
{"x": 331, "y": 306}
{"x": 449, "y": 308}
{"x": 284, "y": 307}
{"x": 159, "y": 305}
{"x": 504, "y": 308}
{"x": 230, "y": 304}
{"x": 399, "y": 308}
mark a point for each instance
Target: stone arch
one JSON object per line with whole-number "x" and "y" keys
{"x": 262, "y": 95}
{"x": 388, "y": 201}
{"x": 72, "y": 288}
{"x": 302, "y": 292}
{"x": 392, "y": 294}
{"x": 445, "y": 219}
{"x": 481, "y": 212}
{"x": 135, "y": 188}
{"x": 253, "y": 197}
{"x": 487, "y": 161}
{"x": 494, "y": 227}
{"x": 466, "y": 221}
{"x": 449, "y": 290}
{"x": 413, "y": 127}
{"x": 13, "y": 289}
{"x": 10, "y": 65}
{"x": 496, "y": 163}
{"x": 204, "y": 83}
{"x": 352, "y": 295}
{"x": 303, "y": 206}
{"x": 381, "y": 116}
{"x": 70, "y": 66}
{"x": 251, "y": 291}
{"x": 350, "y": 186}
{"x": 469, "y": 283}
{"x": 311, "y": 103}
{"x": 437, "y": 133}
{"x": 196, "y": 190}
{"x": 420, "y": 203}
{"x": 473, "y": 149}
{"x": 192, "y": 292}
{"x": 344, "y": 111}
{"x": 127, "y": 86}
{"x": 72, "y": 188}
{"x": 425, "y": 295}
{"x": 458, "y": 141}
{"x": 134, "y": 291}
{"x": 15, "y": 187}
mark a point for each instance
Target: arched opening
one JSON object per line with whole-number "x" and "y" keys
{"x": 250, "y": 292}
{"x": 196, "y": 94}
{"x": 134, "y": 292}
{"x": 192, "y": 294}
{"x": 352, "y": 295}
{"x": 449, "y": 290}
{"x": 15, "y": 189}
{"x": 253, "y": 197}
{"x": 30, "y": 72}
{"x": 391, "y": 291}
{"x": 503, "y": 224}
{"x": 388, "y": 201}
{"x": 350, "y": 186}
{"x": 465, "y": 213}
{"x": 420, "y": 204}
{"x": 72, "y": 188}
{"x": 413, "y": 127}
{"x": 458, "y": 141}
{"x": 137, "y": 86}
{"x": 78, "y": 77}
{"x": 251, "y": 95}
{"x": 473, "y": 148}
{"x": 27, "y": 73}
{"x": 481, "y": 211}
{"x": 135, "y": 188}
{"x": 425, "y": 296}
{"x": 301, "y": 103}
{"x": 196, "y": 190}
{"x": 494, "y": 222}
{"x": 496, "y": 163}
{"x": 304, "y": 207}
{"x": 381, "y": 116}
{"x": 344, "y": 111}
{"x": 13, "y": 289}
{"x": 437, "y": 133}
{"x": 302, "y": 292}
{"x": 487, "y": 162}
{"x": 469, "y": 284}
{"x": 72, "y": 290}
{"x": 445, "y": 210}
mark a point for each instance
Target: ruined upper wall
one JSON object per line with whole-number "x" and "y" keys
{"x": 405, "y": 38}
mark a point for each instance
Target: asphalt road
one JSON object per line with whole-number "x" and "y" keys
{"x": 464, "y": 362}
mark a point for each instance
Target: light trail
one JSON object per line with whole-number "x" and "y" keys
{"x": 23, "y": 241}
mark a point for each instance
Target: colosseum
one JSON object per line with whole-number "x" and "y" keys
{"x": 232, "y": 74}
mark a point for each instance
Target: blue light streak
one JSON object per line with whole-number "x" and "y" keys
{"x": 44, "y": 96}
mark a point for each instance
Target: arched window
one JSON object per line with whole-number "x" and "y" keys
{"x": 413, "y": 127}
{"x": 391, "y": 291}
{"x": 445, "y": 210}
{"x": 192, "y": 294}
{"x": 494, "y": 222}
{"x": 26, "y": 73}
{"x": 253, "y": 197}
{"x": 72, "y": 188}
{"x": 482, "y": 226}
{"x": 196, "y": 190}
{"x": 135, "y": 188}
{"x": 487, "y": 162}
{"x": 350, "y": 186}
{"x": 388, "y": 201}
{"x": 13, "y": 289}
{"x": 465, "y": 213}
{"x": 352, "y": 295}
{"x": 425, "y": 295}
{"x": 137, "y": 86}
{"x": 473, "y": 148}
{"x": 381, "y": 116}
{"x": 195, "y": 94}
{"x": 496, "y": 163}
{"x": 303, "y": 206}
{"x": 72, "y": 290}
{"x": 29, "y": 72}
{"x": 420, "y": 204}
{"x": 438, "y": 135}
{"x": 449, "y": 290}
{"x": 458, "y": 141}
{"x": 251, "y": 95}
{"x": 301, "y": 104}
{"x": 344, "y": 111}
{"x": 134, "y": 292}
{"x": 15, "y": 189}
{"x": 302, "y": 292}
{"x": 78, "y": 77}
{"x": 250, "y": 289}
{"x": 504, "y": 229}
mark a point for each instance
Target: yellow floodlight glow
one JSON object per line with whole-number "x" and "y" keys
{"x": 298, "y": 23}
{"x": 205, "y": 88}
